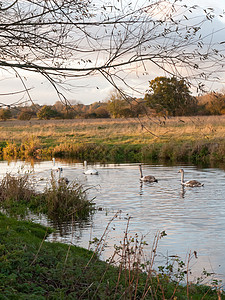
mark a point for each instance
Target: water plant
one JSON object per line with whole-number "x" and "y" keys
{"x": 64, "y": 201}
{"x": 59, "y": 201}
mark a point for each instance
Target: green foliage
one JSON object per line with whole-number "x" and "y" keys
{"x": 170, "y": 96}
{"x": 34, "y": 269}
{"x": 172, "y": 151}
{"x": 46, "y": 112}
{"x": 65, "y": 201}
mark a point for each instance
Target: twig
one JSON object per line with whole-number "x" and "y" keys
{"x": 39, "y": 248}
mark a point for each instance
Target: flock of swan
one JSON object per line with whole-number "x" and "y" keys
{"x": 146, "y": 178}
{"x": 189, "y": 183}
{"x": 58, "y": 169}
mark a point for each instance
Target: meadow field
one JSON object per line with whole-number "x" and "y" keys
{"x": 199, "y": 139}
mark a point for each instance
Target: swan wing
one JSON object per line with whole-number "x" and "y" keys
{"x": 149, "y": 178}
{"x": 91, "y": 172}
{"x": 193, "y": 183}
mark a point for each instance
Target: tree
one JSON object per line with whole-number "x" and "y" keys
{"x": 67, "y": 39}
{"x": 25, "y": 115}
{"x": 46, "y": 112}
{"x": 116, "y": 104}
{"x": 5, "y": 114}
{"x": 170, "y": 96}
{"x": 216, "y": 103}
{"x": 102, "y": 112}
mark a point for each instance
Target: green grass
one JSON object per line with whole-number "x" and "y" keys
{"x": 34, "y": 269}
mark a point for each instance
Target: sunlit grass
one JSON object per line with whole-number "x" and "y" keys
{"x": 185, "y": 128}
{"x": 67, "y": 136}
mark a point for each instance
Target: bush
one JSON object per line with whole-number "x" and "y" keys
{"x": 46, "y": 112}
{"x": 25, "y": 115}
{"x": 5, "y": 114}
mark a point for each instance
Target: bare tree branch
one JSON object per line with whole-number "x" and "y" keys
{"x": 63, "y": 39}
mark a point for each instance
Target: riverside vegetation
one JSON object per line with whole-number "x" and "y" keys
{"x": 32, "y": 268}
{"x": 58, "y": 201}
{"x": 179, "y": 139}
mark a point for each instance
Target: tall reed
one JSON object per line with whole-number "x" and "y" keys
{"x": 59, "y": 201}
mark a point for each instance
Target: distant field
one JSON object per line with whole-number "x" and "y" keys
{"x": 61, "y": 136}
{"x": 116, "y": 130}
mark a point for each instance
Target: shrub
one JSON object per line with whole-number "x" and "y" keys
{"x": 5, "y": 114}
{"x": 25, "y": 115}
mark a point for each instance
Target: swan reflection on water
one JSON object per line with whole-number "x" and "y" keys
{"x": 141, "y": 188}
{"x": 182, "y": 191}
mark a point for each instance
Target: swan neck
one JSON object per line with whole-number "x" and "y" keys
{"x": 182, "y": 177}
{"x": 141, "y": 171}
{"x": 60, "y": 172}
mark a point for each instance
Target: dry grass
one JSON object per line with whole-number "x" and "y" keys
{"x": 195, "y": 139}
{"x": 115, "y": 130}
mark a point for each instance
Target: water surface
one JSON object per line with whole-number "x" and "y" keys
{"x": 193, "y": 218}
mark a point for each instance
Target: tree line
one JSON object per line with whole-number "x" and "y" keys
{"x": 165, "y": 97}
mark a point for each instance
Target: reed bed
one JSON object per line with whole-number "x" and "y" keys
{"x": 59, "y": 201}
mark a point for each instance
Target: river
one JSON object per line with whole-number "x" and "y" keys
{"x": 193, "y": 218}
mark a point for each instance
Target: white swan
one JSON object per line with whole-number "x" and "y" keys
{"x": 190, "y": 183}
{"x": 89, "y": 171}
{"x": 54, "y": 168}
{"x": 147, "y": 178}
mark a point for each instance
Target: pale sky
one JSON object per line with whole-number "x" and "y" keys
{"x": 90, "y": 89}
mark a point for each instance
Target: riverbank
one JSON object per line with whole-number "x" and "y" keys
{"x": 33, "y": 268}
{"x": 185, "y": 139}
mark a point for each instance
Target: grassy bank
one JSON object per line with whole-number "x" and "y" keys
{"x": 31, "y": 268}
{"x": 34, "y": 269}
{"x": 194, "y": 139}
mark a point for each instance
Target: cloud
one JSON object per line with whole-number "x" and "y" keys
{"x": 161, "y": 46}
